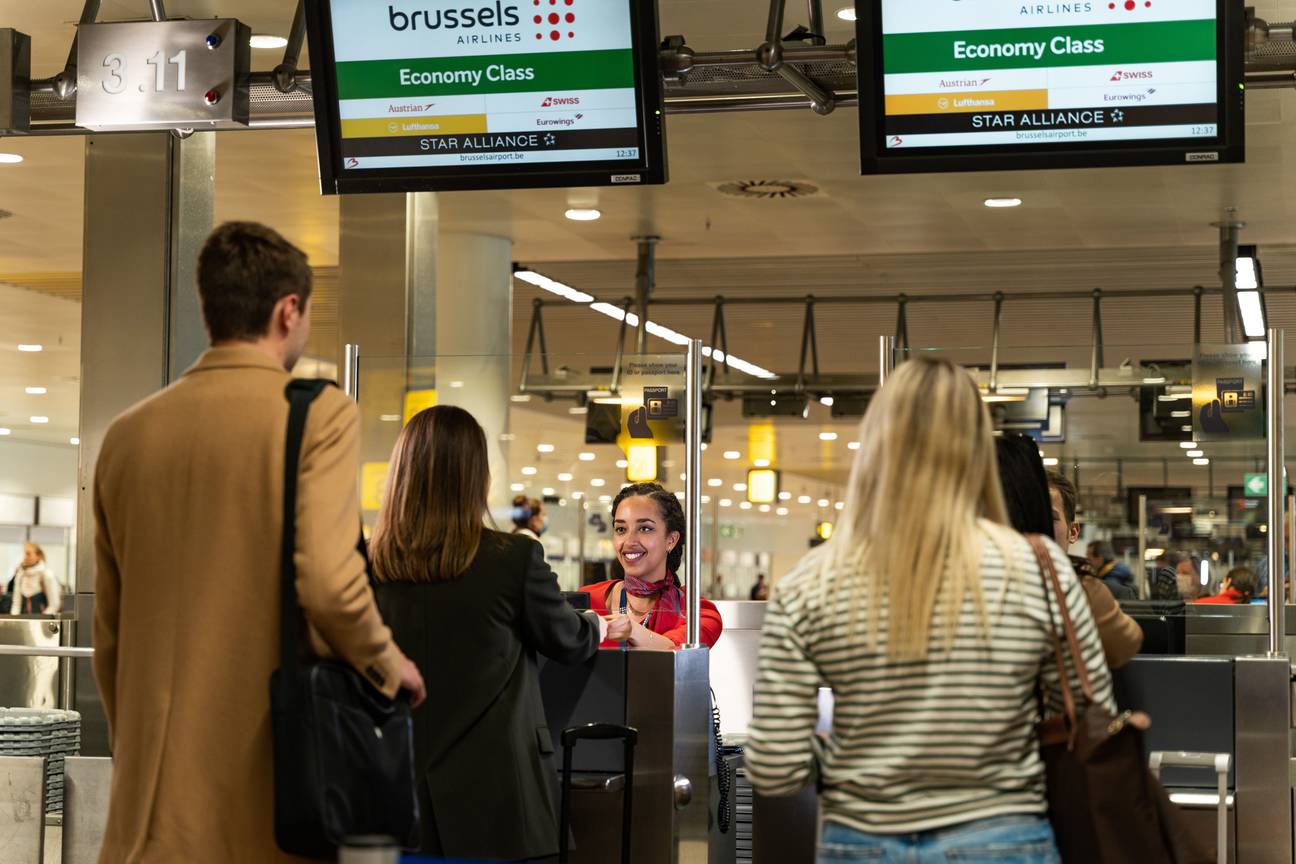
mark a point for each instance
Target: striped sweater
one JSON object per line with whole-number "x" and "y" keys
{"x": 915, "y": 745}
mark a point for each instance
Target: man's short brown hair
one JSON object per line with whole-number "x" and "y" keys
{"x": 244, "y": 269}
{"x": 1067, "y": 491}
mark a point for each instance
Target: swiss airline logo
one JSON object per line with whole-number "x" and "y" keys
{"x": 560, "y": 101}
{"x": 1137, "y": 75}
{"x": 555, "y": 20}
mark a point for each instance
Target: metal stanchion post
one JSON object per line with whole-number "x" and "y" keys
{"x": 886, "y": 358}
{"x": 693, "y": 488}
{"x": 351, "y": 371}
{"x": 1142, "y": 548}
{"x": 1277, "y": 496}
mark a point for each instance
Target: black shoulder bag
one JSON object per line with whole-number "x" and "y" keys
{"x": 343, "y": 752}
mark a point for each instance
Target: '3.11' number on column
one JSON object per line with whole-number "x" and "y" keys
{"x": 116, "y": 66}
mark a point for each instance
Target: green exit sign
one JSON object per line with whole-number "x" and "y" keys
{"x": 1256, "y": 485}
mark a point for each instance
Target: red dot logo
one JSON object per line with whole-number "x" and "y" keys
{"x": 553, "y": 20}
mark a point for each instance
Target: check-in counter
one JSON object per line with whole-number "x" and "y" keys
{"x": 665, "y": 696}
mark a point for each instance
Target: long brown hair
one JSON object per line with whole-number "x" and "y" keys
{"x": 430, "y": 524}
{"x": 924, "y": 495}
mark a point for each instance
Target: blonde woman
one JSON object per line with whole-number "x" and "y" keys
{"x": 928, "y": 618}
{"x": 33, "y": 590}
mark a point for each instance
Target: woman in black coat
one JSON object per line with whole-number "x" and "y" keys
{"x": 473, "y": 608}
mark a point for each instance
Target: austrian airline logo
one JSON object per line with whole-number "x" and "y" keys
{"x": 556, "y": 23}
{"x": 560, "y": 101}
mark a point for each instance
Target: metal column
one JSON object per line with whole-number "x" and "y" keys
{"x": 693, "y": 488}
{"x": 886, "y": 358}
{"x": 148, "y": 209}
{"x": 645, "y": 279}
{"x": 1277, "y": 496}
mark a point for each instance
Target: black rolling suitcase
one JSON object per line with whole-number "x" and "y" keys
{"x": 597, "y": 732}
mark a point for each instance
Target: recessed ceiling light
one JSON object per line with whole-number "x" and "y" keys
{"x": 826, "y": 401}
{"x": 578, "y": 410}
{"x": 520, "y": 398}
{"x": 745, "y": 505}
{"x": 622, "y": 463}
{"x": 583, "y": 214}
{"x": 740, "y": 487}
{"x": 389, "y": 418}
{"x": 1000, "y": 203}
{"x": 35, "y": 391}
{"x": 785, "y": 496}
{"x": 706, "y": 499}
{"x": 782, "y": 511}
{"x": 1050, "y": 462}
{"x": 853, "y": 445}
{"x": 597, "y": 482}
{"x": 846, "y": 13}
{"x": 564, "y": 478}
{"x": 10, "y": 158}
{"x": 38, "y": 420}
{"x": 605, "y": 499}
{"x": 547, "y": 491}
{"x": 5, "y": 431}
{"x": 804, "y": 499}
{"x": 1195, "y": 454}
{"x": 764, "y": 508}
{"x": 31, "y": 349}
{"x": 586, "y": 457}
{"x": 578, "y": 495}
{"x": 544, "y": 448}
{"x": 456, "y": 385}
{"x": 823, "y": 502}
{"x": 827, "y": 436}
{"x": 761, "y": 463}
{"x": 74, "y": 441}
{"x": 840, "y": 505}
{"x": 529, "y": 471}
{"x": 732, "y": 455}
{"x": 1188, "y": 445}
{"x": 715, "y": 482}
{"x": 1201, "y": 461}
{"x": 725, "y": 502}
{"x": 262, "y": 40}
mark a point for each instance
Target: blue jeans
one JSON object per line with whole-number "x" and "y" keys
{"x": 1005, "y": 840}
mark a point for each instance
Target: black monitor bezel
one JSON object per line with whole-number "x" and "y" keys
{"x": 651, "y": 169}
{"x": 875, "y": 158}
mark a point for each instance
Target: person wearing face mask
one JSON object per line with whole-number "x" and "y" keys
{"x": 529, "y": 517}
{"x": 646, "y": 609}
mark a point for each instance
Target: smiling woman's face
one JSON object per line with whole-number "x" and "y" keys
{"x": 641, "y": 539}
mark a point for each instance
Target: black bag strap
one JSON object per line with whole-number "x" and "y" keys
{"x": 300, "y": 393}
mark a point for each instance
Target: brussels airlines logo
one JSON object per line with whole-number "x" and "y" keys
{"x": 498, "y": 15}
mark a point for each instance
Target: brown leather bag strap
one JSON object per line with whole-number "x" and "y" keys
{"x": 1053, "y": 586}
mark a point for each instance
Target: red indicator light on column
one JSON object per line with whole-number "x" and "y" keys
{"x": 211, "y": 97}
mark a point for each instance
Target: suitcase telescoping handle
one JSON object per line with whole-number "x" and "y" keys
{"x": 597, "y": 732}
{"x": 1220, "y": 762}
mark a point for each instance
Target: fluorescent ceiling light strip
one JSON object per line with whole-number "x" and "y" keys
{"x": 1246, "y": 274}
{"x": 1253, "y": 319}
{"x": 616, "y": 313}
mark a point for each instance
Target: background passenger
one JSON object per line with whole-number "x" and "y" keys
{"x": 1239, "y": 588}
{"x": 1034, "y": 508}
{"x": 474, "y": 608}
{"x": 759, "y": 590}
{"x": 1117, "y": 577}
{"x": 1188, "y": 579}
{"x": 928, "y": 618}
{"x": 529, "y": 517}
{"x": 647, "y": 607}
{"x": 33, "y": 590}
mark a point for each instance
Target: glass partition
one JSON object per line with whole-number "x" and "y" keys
{"x": 1179, "y": 497}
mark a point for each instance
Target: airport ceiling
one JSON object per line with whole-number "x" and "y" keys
{"x": 1117, "y": 228}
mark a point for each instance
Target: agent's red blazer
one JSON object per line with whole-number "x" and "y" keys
{"x": 664, "y": 621}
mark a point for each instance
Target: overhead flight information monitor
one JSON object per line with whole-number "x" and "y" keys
{"x": 957, "y": 85}
{"x": 416, "y": 95}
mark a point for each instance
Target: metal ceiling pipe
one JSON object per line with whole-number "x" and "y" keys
{"x": 285, "y": 74}
{"x": 157, "y": 10}
{"x": 1233, "y": 331}
{"x": 64, "y": 83}
{"x": 816, "y": 24}
{"x": 645, "y": 280}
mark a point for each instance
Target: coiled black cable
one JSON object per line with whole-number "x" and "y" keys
{"x": 724, "y": 808}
